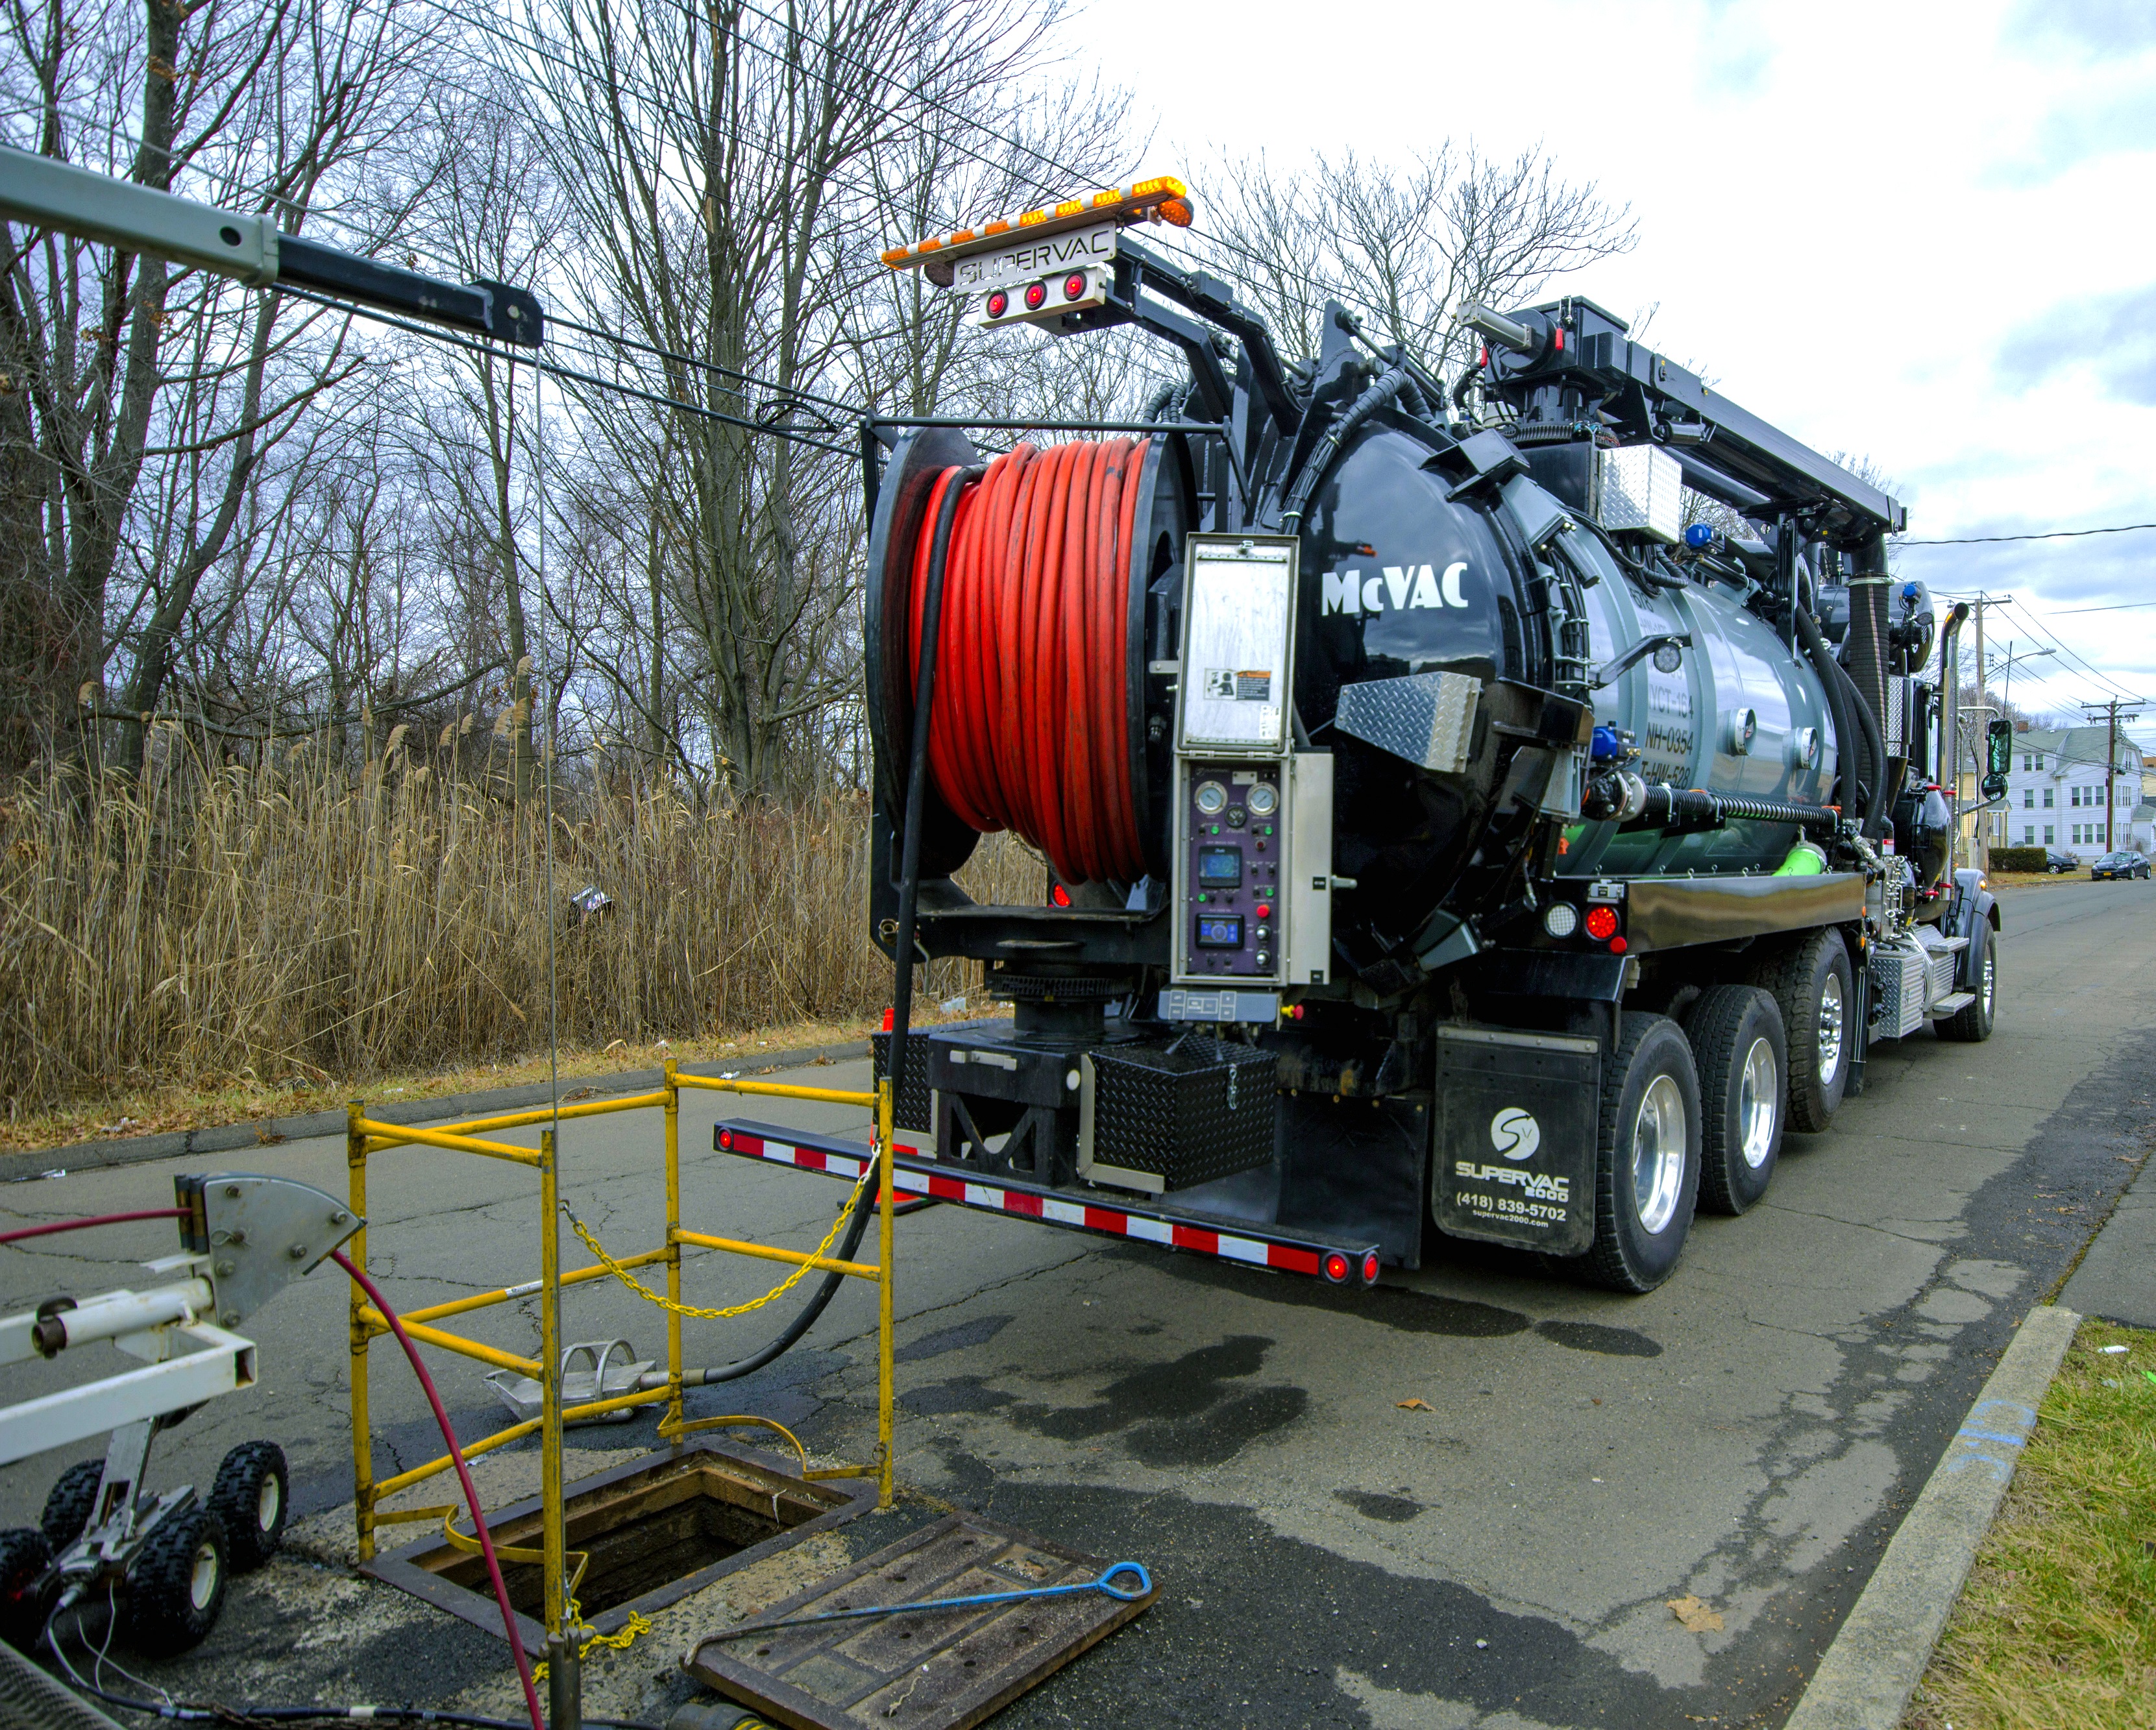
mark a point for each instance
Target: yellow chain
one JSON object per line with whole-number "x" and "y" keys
{"x": 780, "y": 1290}
{"x": 636, "y": 1624}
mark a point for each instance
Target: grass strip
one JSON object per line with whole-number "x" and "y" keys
{"x": 2057, "y": 1623}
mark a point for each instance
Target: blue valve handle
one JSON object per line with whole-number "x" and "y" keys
{"x": 1105, "y": 1584}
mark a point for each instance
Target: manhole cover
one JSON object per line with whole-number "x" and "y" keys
{"x": 656, "y": 1529}
{"x": 923, "y": 1670}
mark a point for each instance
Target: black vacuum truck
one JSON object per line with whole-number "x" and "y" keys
{"x": 1443, "y": 834}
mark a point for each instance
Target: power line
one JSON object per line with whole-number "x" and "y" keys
{"x": 2123, "y": 528}
{"x": 2123, "y": 606}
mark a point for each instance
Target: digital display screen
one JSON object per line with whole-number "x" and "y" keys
{"x": 1220, "y": 930}
{"x": 1219, "y": 866}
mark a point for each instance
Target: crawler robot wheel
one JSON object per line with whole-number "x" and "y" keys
{"x": 26, "y": 1586}
{"x": 251, "y": 1494}
{"x": 72, "y": 1499}
{"x": 176, "y": 1587}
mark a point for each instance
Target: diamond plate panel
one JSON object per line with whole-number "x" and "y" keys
{"x": 1427, "y": 718}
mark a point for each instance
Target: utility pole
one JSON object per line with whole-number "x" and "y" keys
{"x": 2111, "y": 766}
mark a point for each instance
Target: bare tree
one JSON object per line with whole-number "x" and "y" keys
{"x": 1405, "y": 249}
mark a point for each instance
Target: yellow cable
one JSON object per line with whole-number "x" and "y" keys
{"x": 780, "y": 1290}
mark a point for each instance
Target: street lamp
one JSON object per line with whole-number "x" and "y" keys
{"x": 2007, "y": 661}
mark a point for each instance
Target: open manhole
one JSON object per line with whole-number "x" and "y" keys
{"x": 655, "y": 1529}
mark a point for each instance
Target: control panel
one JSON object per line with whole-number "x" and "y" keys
{"x": 1233, "y": 843}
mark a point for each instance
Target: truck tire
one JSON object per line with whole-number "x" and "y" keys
{"x": 69, "y": 1505}
{"x": 250, "y": 1495}
{"x": 1646, "y": 1165}
{"x": 177, "y": 1586}
{"x": 1743, "y": 1059}
{"x": 1971, "y": 1023}
{"x": 1811, "y": 985}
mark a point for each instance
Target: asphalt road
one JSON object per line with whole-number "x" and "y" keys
{"x": 1747, "y": 1435}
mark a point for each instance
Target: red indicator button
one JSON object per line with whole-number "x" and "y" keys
{"x": 1264, "y": 910}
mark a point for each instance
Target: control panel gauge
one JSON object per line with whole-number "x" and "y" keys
{"x": 1211, "y": 797}
{"x": 1262, "y": 799}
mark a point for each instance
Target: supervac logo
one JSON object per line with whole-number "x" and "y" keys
{"x": 1538, "y": 1186}
{"x": 1514, "y": 1133}
{"x": 1402, "y": 587}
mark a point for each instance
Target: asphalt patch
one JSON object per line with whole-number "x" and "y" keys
{"x": 978, "y": 1332}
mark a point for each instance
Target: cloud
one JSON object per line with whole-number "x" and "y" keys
{"x": 2091, "y": 26}
{"x": 2115, "y": 334}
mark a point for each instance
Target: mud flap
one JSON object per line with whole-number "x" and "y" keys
{"x": 1514, "y": 1130}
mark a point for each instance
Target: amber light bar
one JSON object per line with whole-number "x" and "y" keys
{"x": 1163, "y": 199}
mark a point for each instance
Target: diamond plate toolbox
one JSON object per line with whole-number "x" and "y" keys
{"x": 1157, "y": 1116}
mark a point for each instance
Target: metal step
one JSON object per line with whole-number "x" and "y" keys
{"x": 1952, "y": 1005}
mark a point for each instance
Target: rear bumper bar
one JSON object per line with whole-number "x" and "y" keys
{"x": 1172, "y": 1227}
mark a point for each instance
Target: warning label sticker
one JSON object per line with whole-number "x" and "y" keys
{"x": 1234, "y": 686}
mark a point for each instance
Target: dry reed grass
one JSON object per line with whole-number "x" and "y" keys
{"x": 210, "y": 922}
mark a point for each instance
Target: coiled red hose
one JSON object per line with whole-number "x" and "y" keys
{"x": 1031, "y": 730}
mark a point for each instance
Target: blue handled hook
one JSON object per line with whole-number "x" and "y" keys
{"x": 1106, "y": 1583}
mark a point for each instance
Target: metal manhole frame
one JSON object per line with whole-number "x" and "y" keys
{"x": 401, "y": 1568}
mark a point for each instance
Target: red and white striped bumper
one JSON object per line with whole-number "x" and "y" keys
{"x": 1254, "y": 1245}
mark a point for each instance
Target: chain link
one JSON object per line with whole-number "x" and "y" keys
{"x": 785, "y": 1286}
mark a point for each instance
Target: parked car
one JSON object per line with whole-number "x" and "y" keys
{"x": 2119, "y": 865}
{"x": 2057, "y": 861}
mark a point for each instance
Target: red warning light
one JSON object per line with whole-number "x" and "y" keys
{"x": 999, "y": 303}
{"x": 1618, "y": 946}
{"x": 1073, "y": 285}
{"x": 1060, "y": 895}
{"x": 1336, "y": 1267}
{"x": 1370, "y": 1267}
{"x": 1036, "y": 296}
{"x": 725, "y": 1138}
{"x": 1602, "y": 923}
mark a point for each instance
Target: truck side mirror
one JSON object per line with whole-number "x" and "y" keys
{"x": 1994, "y": 788}
{"x": 2000, "y": 734}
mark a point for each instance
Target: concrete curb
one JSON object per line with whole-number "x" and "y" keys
{"x": 266, "y": 1132}
{"x": 1865, "y": 1680}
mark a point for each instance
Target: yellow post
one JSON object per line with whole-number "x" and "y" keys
{"x": 362, "y": 1449}
{"x": 885, "y": 1126}
{"x": 552, "y": 1544}
{"x": 673, "y": 1245}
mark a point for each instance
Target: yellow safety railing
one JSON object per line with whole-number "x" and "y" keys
{"x": 367, "y": 1137}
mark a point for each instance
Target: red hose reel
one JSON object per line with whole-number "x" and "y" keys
{"x": 1032, "y": 725}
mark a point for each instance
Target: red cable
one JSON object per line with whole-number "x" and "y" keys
{"x": 464, "y": 1477}
{"x": 9, "y": 1237}
{"x": 1031, "y": 730}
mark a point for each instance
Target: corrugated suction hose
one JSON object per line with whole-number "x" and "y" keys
{"x": 31, "y": 1700}
{"x": 1030, "y": 726}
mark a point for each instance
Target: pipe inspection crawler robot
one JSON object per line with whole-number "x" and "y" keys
{"x": 1444, "y": 836}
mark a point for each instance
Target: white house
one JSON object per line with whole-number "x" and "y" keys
{"x": 2055, "y": 795}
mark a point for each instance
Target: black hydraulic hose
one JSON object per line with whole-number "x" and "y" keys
{"x": 1389, "y": 387}
{"x": 1875, "y": 746}
{"x": 909, "y": 892}
{"x": 1830, "y": 677}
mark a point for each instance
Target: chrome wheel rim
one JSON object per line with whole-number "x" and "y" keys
{"x": 1990, "y": 986}
{"x": 201, "y": 1583}
{"x": 1831, "y": 1017}
{"x": 1658, "y": 1154}
{"x": 266, "y": 1501}
{"x": 1758, "y": 1100}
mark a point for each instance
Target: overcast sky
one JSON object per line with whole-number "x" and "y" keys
{"x": 1924, "y": 232}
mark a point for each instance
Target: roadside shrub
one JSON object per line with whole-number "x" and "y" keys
{"x": 2017, "y": 859}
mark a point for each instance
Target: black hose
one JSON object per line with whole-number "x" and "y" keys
{"x": 1830, "y": 676}
{"x": 1390, "y": 386}
{"x": 1874, "y": 747}
{"x": 909, "y": 888}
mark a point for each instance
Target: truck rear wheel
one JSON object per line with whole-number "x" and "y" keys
{"x": 1743, "y": 1054}
{"x": 1811, "y": 985}
{"x": 1971, "y": 1023}
{"x": 1646, "y": 1168}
